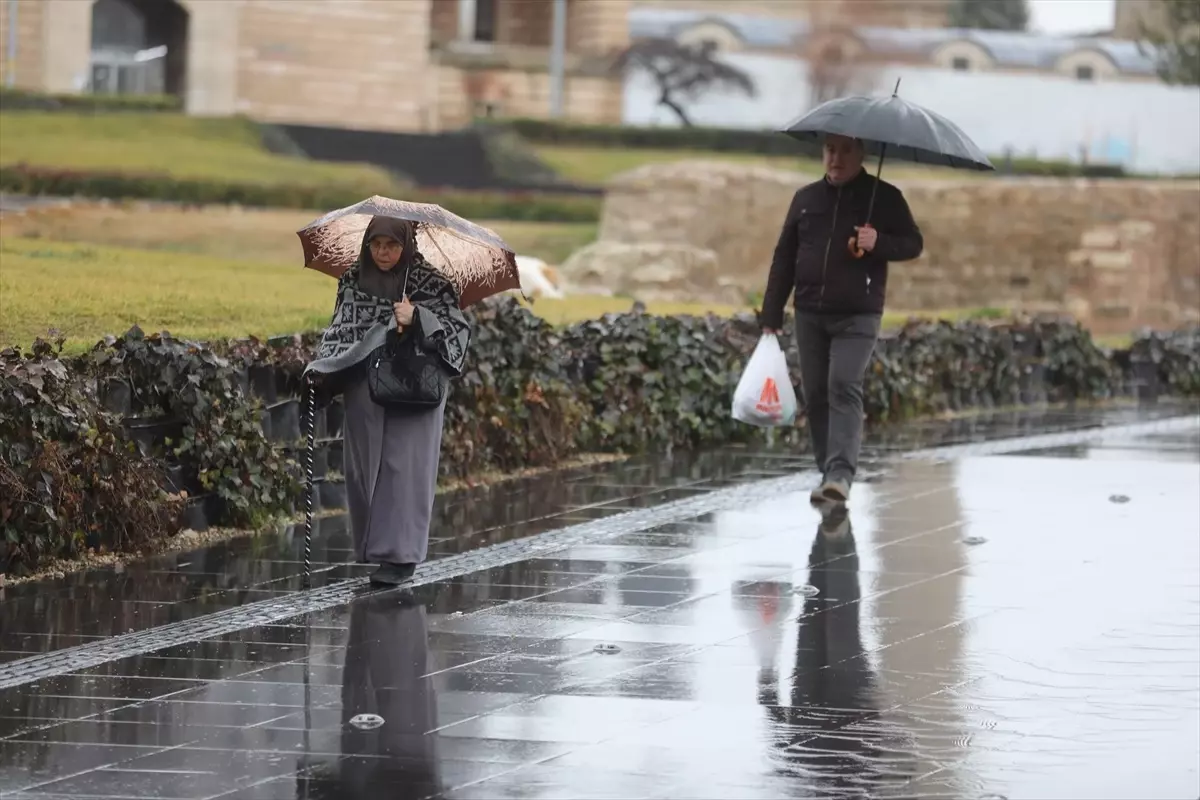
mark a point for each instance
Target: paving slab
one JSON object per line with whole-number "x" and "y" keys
{"x": 92, "y": 606}
{"x": 1018, "y": 621}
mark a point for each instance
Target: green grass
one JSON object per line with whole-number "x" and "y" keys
{"x": 228, "y": 149}
{"x": 86, "y": 291}
{"x": 245, "y": 234}
{"x": 596, "y": 165}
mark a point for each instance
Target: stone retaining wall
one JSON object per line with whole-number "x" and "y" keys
{"x": 1116, "y": 254}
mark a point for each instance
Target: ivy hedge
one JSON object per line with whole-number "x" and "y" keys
{"x": 126, "y": 444}
{"x": 512, "y": 206}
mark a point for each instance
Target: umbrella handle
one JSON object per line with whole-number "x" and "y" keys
{"x": 852, "y": 244}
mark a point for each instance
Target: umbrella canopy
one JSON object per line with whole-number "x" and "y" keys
{"x": 893, "y": 127}
{"x": 473, "y": 258}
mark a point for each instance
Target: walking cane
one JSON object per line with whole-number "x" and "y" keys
{"x": 310, "y": 430}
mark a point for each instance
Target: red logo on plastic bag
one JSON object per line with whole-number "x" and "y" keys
{"x": 768, "y": 402}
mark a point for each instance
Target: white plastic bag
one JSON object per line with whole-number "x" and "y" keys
{"x": 764, "y": 396}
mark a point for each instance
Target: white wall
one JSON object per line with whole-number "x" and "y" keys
{"x": 1148, "y": 127}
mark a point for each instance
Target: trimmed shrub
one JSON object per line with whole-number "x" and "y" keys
{"x": 515, "y": 406}
{"x": 198, "y": 414}
{"x": 69, "y": 479}
{"x": 1173, "y": 360}
{"x": 21, "y": 100}
{"x": 87, "y": 446}
{"x": 515, "y": 206}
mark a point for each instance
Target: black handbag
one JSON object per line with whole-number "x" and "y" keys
{"x": 403, "y": 375}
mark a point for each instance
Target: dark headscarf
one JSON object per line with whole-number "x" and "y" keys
{"x": 373, "y": 280}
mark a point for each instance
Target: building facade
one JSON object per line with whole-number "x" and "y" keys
{"x": 1132, "y": 18}
{"x": 404, "y": 65}
{"x": 835, "y": 42}
{"x": 882, "y": 13}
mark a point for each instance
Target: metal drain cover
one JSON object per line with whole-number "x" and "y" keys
{"x": 366, "y": 722}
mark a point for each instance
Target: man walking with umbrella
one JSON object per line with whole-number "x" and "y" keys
{"x": 837, "y": 239}
{"x": 839, "y": 297}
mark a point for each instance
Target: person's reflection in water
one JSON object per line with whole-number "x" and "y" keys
{"x": 386, "y": 661}
{"x": 833, "y": 684}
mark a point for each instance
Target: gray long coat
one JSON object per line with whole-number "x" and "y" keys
{"x": 392, "y": 457}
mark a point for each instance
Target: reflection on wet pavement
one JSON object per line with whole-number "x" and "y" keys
{"x": 56, "y": 614}
{"x": 765, "y": 652}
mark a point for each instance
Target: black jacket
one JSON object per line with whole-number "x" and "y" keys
{"x": 812, "y": 256}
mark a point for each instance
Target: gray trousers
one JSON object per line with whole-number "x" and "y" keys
{"x": 835, "y": 351}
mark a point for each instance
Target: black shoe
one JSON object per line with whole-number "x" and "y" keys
{"x": 393, "y": 574}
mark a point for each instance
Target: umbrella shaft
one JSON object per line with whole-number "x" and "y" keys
{"x": 875, "y": 188}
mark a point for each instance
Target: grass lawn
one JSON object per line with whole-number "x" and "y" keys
{"x": 596, "y": 165}
{"x": 228, "y": 149}
{"x": 215, "y": 272}
{"x": 86, "y": 290}
{"x": 267, "y": 236}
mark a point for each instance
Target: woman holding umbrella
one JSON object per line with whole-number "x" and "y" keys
{"x": 391, "y": 295}
{"x": 838, "y": 236}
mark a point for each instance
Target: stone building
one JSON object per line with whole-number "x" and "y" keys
{"x": 404, "y": 65}
{"x": 911, "y": 39}
{"x": 883, "y": 13}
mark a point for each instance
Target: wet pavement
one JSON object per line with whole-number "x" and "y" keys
{"x": 1020, "y": 624}
{"x": 91, "y": 606}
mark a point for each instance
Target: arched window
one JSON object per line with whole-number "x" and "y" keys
{"x": 962, "y": 55}
{"x": 1087, "y": 65}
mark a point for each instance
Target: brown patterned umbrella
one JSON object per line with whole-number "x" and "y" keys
{"x": 474, "y": 258}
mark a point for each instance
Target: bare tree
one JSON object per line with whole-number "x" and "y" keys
{"x": 682, "y": 72}
{"x": 1170, "y": 31}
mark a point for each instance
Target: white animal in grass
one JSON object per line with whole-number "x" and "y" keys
{"x": 538, "y": 279}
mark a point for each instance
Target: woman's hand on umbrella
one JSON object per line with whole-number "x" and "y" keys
{"x": 867, "y": 237}
{"x": 404, "y": 311}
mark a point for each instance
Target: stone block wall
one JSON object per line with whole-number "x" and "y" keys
{"x": 1117, "y": 254}
{"x": 27, "y": 65}
{"x": 355, "y": 63}
{"x": 522, "y": 93}
{"x": 361, "y": 64}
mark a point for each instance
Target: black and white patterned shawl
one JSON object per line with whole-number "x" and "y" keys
{"x": 361, "y": 321}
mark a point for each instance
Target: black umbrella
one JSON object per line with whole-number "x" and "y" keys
{"x": 889, "y": 126}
